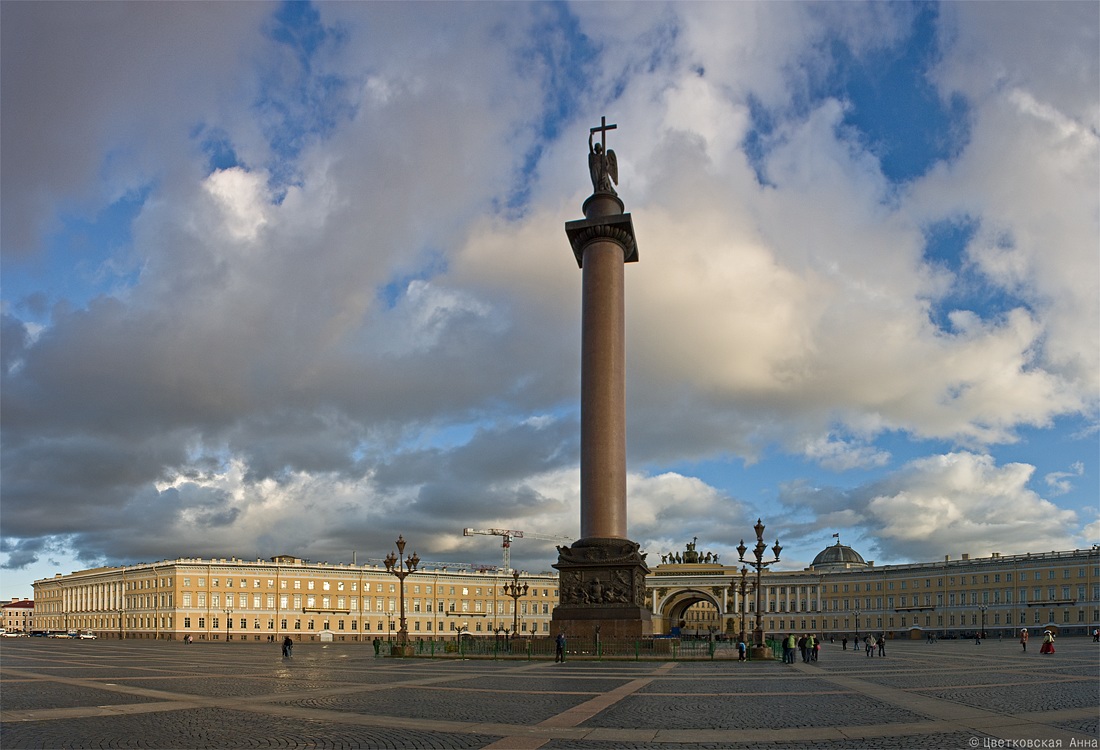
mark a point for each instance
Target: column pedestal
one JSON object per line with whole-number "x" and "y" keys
{"x": 602, "y": 590}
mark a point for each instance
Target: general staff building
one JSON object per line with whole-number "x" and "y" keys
{"x": 839, "y": 594}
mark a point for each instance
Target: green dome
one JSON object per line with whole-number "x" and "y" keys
{"x": 839, "y": 556}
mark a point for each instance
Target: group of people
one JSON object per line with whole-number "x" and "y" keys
{"x": 1048, "y": 641}
{"x": 871, "y": 644}
{"x": 808, "y": 645}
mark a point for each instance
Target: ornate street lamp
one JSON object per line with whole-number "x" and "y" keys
{"x": 856, "y": 613}
{"x": 515, "y": 591}
{"x": 401, "y": 568}
{"x": 759, "y": 565}
{"x": 228, "y": 623}
{"x": 982, "y": 608}
{"x": 120, "y": 613}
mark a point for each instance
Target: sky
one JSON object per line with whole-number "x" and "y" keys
{"x": 293, "y": 278}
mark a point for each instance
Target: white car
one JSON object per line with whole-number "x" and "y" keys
{"x": 87, "y": 636}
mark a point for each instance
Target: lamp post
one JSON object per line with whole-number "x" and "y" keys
{"x": 759, "y": 565}
{"x": 401, "y": 568}
{"x": 228, "y": 623}
{"x": 982, "y": 608}
{"x": 515, "y": 591}
{"x": 857, "y": 613}
{"x": 120, "y": 613}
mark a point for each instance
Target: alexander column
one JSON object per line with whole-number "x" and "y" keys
{"x": 602, "y": 585}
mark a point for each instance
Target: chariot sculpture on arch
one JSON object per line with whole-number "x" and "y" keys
{"x": 603, "y": 165}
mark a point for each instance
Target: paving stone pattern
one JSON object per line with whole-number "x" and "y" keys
{"x": 147, "y": 694}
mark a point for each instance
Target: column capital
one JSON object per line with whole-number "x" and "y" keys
{"x": 618, "y": 229}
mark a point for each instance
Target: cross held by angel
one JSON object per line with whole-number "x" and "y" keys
{"x": 602, "y": 162}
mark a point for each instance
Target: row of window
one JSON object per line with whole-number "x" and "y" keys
{"x": 1038, "y": 617}
{"x": 296, "y": 584}
{"x": 996, "y": 578}
{"x": 352, "y": 603}
{"x": 310, "y": 625}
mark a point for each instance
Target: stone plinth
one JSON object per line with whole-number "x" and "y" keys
{"x": 602, "y": 590}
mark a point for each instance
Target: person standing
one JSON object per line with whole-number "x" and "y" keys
{"x": 789, "y": 645}
{"x": 559, "y": 647}
{"x": 1048, "y": 643}
{"x": 844, "y": 643}
{"x": 882, "y": 645}
{"x": 288, "y": 646}
{"x": 1023, "y": 638}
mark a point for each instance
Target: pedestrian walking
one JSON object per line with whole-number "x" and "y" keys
{"x": 559, "y": 647}
{"x": 1023, "y": 638}
{"x": 869, "y": 647}
{"x": 1048, "y": 643}
{"x": 802, "y": 645}
{"x": 882, "y": 645}
{"x": 288, "y": 647}
{"x": 812, "y": 645}
{"x": 844, "y": 643}
{"x": 742, "y": 650}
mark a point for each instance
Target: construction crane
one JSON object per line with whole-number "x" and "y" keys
{"x": 426, "y": 565}
{"x": 507, "y": 535}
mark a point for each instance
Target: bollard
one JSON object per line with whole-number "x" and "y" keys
{"x": 637, "y": 651}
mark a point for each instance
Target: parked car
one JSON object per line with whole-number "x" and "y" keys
{"x": 86, "y": 636}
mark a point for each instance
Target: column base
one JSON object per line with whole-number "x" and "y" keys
{"x": 602, "y": 590}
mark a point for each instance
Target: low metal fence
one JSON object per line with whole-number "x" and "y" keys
{"x": 665, "y": 649}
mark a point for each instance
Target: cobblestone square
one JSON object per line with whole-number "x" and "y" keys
{"x": 150, "y": 694}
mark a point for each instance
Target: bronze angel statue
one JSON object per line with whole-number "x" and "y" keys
{"x": 603, "y": 166}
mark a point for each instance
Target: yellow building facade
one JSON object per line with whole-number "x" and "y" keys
{"x": 841, "y": 594}
{"x": 238, "y": 600}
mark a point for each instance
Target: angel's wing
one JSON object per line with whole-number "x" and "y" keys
{"x": 613, "y": 166}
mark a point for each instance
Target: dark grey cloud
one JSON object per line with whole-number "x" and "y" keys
{"x": 72, "y": 94}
